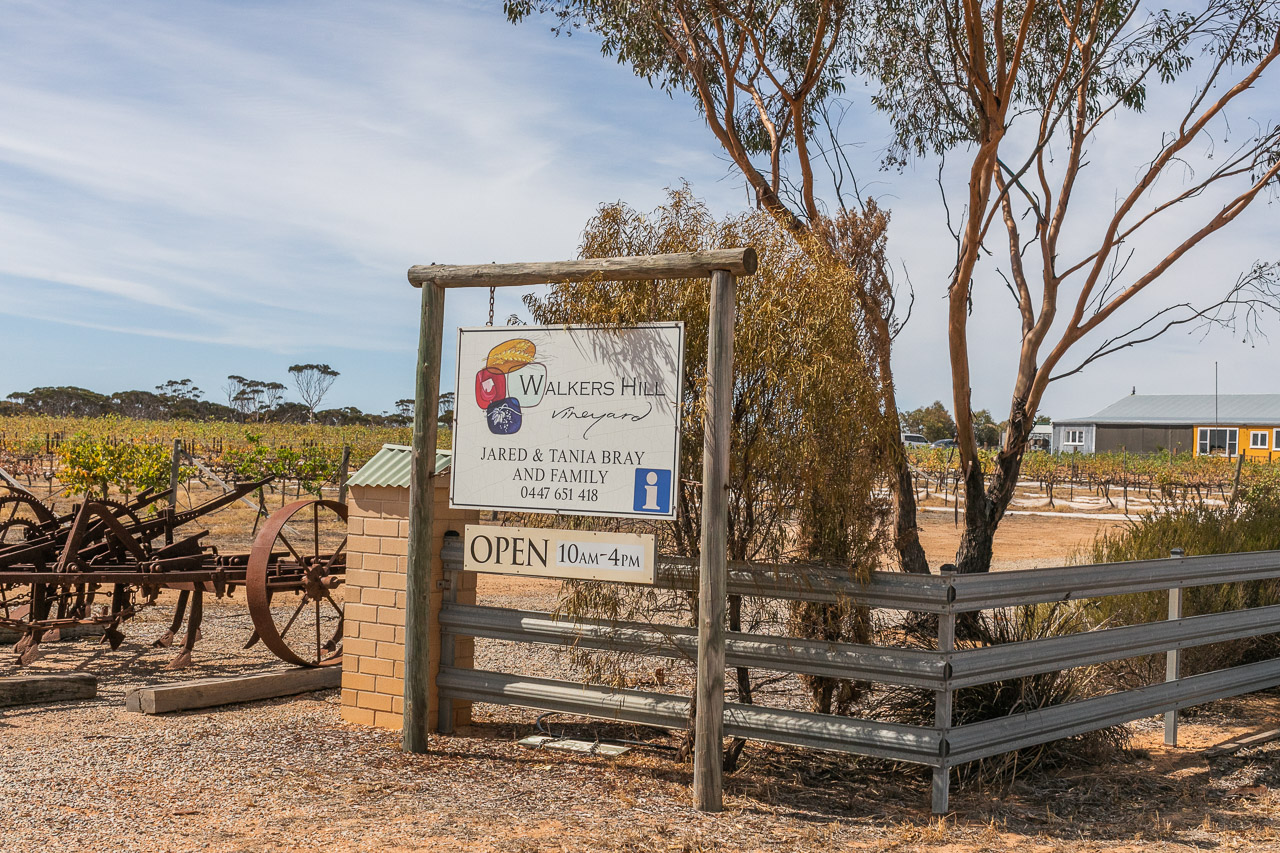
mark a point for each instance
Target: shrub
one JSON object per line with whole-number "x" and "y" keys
{"x": 92, "y": 466}
{"x": 1016, "y": 696}
{"x": 1253, "y": 524}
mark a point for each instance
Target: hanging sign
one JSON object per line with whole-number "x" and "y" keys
{"x": 578, "y": 554}
{"x": 568, "y": 419}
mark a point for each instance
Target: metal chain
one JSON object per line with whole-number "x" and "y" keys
{"x": 491, "y": 290}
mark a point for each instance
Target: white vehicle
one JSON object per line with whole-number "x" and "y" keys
{"x": 911, "y": 439}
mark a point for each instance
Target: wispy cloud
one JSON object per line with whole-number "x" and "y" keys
{"x": 234, "y": 186}
{"x": 260, "y": 177}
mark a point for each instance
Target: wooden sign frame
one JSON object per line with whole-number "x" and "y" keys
{"x": 721, "y": 266}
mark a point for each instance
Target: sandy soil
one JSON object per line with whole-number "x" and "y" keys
{"x": 1022, "y": 542}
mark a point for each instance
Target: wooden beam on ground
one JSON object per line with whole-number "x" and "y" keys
{"x": 1242, "y": 742}
{"x": 211, "y": 692}
{"x": 33, "y": 689}
{"x": 633, "y": 268}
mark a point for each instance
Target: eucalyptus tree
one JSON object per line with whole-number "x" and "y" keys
{"x": 1018, "y": 93}
{"x": 802, "y": 426}
{"x": 767, "y": 77}
{"x": 1022, "y": 95}
{"x": 312, "y": 382}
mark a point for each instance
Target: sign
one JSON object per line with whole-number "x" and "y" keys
{"x": 568, "y": 419}
{"x": 576, "y": 554}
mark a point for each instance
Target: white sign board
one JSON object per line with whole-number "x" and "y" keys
{"x": 577, "y": 554}
{"x": 568, "y": 419}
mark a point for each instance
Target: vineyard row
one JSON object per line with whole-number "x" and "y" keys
{"x": 1160, "y": 477}
{"x": 97, "y": 455}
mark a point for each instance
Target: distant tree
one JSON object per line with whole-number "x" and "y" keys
{"x": 253, "y": 399}
{"x": 445, "y": 418}
{"x": 179, "y": 389}
{"x": 272, "y": 395}
{"x": 181, "y": 399}
{"x": 292, "y": 413}
{"x": 403, "y": 415}
{"x": 933, "y": 421}
{"x": 313, "y": 382}
{"x": 62, "y": 401}
{"x": 346, "y": 416}
{"x": 985, "y": 428}
{"x": 236, "y": 397}
{"x": 139, "y": 404}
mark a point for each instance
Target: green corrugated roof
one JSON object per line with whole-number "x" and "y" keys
{"x": 390, "y": 467}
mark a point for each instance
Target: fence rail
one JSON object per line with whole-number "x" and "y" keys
{"x": 911, "y": 667}
{"x": 917, "y": 744}
{"x": 943, "y": 671}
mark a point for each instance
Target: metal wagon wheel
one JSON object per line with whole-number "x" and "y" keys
{"x": 297, "y": 562}
{"x": 21, "y": 517}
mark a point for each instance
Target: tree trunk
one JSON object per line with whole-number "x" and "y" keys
{"x": 906, "y": 535}
{"x": 985, "y": 506}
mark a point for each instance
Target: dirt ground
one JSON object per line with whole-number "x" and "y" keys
{"x": 1022, "y": 542}
{"x": 288, "y": 774}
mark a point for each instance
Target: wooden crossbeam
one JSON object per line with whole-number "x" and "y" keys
{"x": 633, "y": 268}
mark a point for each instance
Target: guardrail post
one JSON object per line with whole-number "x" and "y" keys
{"x": 1173, "y": 662}
{"x": 942, "y": 709}
{"x": 450, "y": 583}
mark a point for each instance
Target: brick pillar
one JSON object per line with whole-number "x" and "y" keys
{"x": 373, "y": 631}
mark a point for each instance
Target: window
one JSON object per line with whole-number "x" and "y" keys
{"x": 1216, "y": 441}
{"x": 1258, "y": 440}
{"x": 1073, "y": 436}
{"x": 1276, "y": 443}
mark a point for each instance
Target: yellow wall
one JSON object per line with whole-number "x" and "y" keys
{"x": 1270, "y": 454}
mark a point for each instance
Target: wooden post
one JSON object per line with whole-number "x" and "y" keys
{"x": 942, "y": 712}
{"x": 713, "y": 575}
{"x": 1235, "y": 485}
{"x": 1173, "y": 662}
{"x": 344, "y": 471}
{"x": 175, "y": 467}
{"x": 421, "y": 520}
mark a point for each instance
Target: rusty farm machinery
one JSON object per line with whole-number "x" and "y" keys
{"x": 104, "y": 561}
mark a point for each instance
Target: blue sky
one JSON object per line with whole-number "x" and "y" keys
{"x": 203, "y": 189}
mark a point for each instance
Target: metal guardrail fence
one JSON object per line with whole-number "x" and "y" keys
{"x": 945, "y": 670}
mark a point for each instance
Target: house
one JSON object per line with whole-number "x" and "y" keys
{"x": 1040, "y": 437}
{"x": 1200, "y": 424}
